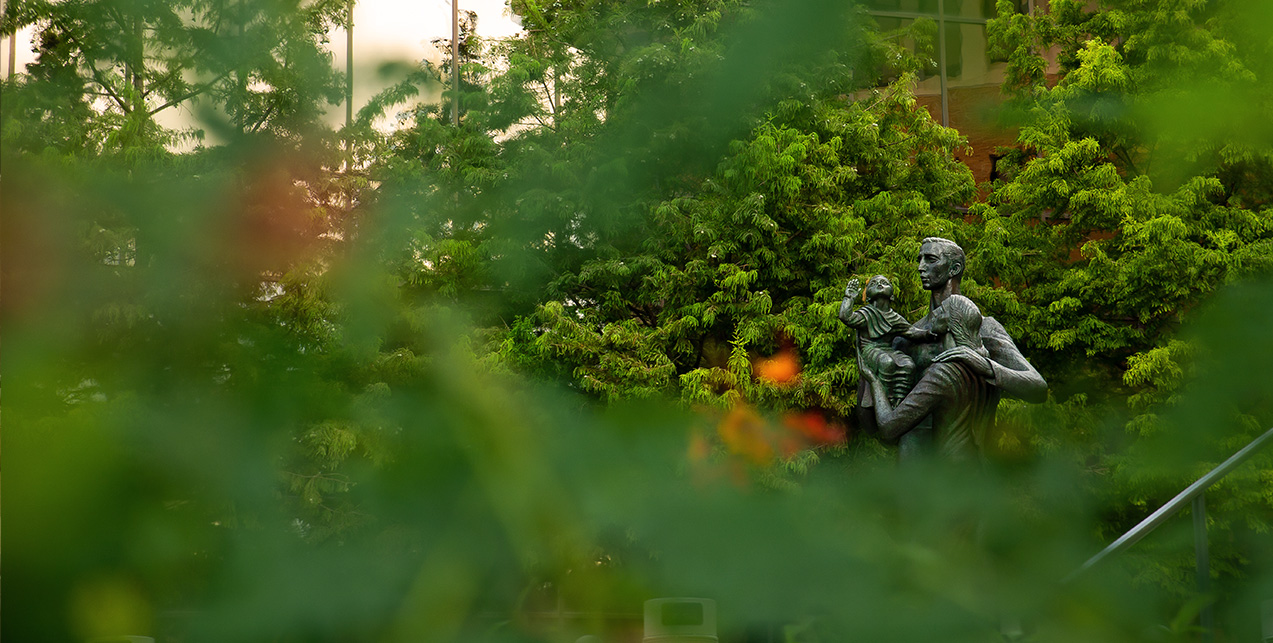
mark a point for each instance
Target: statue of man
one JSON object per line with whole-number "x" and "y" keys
{"x": 941, "y": 268}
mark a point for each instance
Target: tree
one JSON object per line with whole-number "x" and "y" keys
{"x": 156, "y": 262}
{"x": 1115, "y": 226}
{"x": 260, "y": 63}
{"x": 600, "y": 114}
{"x": 759, "y": 253}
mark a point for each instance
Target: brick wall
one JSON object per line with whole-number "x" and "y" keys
{"x": 974, "y": 111}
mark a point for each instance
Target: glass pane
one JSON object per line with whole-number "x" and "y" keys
{"x": 954, "y": 49}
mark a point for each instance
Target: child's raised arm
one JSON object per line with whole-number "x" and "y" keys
{"x": 851, "y": 292}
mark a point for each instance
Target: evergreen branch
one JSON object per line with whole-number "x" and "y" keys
{"x": 113, "y": 11}
{"x": 1125, "y": 156}
{"x": 158, "y": 83}
{"x": 549, "y": 95}
{"x": 351, "y": 512}
{"x": 264, "y": 118}
{"x": 190, "y": 94}
{"x": 339, "y": 479}
{"x": 216, "y": 26}
{"x": 899, "y": 142}
{"x": 643, "y": 315}
{"x": 541, "y": 121}
{"x": 886, "y": 94}
{"x": 97, "y": 75}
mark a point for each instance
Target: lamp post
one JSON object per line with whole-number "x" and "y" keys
{"x": 455, "y": 62}
{"x": 941, "y": 61}
{"x": 349, "y": 68}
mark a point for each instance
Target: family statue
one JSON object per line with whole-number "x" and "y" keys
{"x": 933, "y": 386}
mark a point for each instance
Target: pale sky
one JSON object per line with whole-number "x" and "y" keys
{"x": 403, "y": 30}
{"x": 384, "y": 30}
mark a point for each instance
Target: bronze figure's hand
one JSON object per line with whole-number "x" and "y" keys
{"x": 979, "y": 363}
{"x": 852, "y": 290}
{"x": 866, "y": 375}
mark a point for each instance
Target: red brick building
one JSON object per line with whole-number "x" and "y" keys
{"x": 963, "y": 92}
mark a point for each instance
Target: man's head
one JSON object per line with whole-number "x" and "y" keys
{"x": 961, "y": 318}
{"x": 879, "y": 287}
{"x": 940, "y": 261}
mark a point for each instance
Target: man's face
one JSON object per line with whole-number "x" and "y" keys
{"x": 935, "y": 268}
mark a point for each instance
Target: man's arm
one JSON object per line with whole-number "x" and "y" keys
{"x": 1012, "y": 373}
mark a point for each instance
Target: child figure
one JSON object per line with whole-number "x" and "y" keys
{"x": 877, "y": 325}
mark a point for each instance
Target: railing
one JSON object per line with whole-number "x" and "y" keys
{"x": 1195, "y": 494}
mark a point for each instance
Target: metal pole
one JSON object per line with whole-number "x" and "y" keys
{"x": 1203, "y": 561}
{"x": 349, "y": 101}
{"x": 455, "y": 62}
{"x": 349, "y": 68}
{"x": 941, "y": 60}
{"x": 1266, "y": 619}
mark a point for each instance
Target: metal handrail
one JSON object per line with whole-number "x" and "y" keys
{"x": 1196, "y": 494}
{"x": 1174, "y": 505}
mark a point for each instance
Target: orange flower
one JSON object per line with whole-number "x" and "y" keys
{"x": 813, "y": 427}
{"x": 744, "y": 434}
{"x": 782, "y": 368}
{"x": 699, "y": 448}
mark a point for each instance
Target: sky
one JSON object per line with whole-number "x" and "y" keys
{"x": 384, "y": 30}
{"x": 404, "y": 29}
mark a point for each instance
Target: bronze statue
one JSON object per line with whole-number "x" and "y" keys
{"x": 990, "y": 358}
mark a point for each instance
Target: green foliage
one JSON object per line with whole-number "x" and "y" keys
{"x": 259, "y": 63}
{"x": 761, "y": 252}
{"x": 427, "y": 397}
{"x": 1118, "y": 222}
{"x": 600, "y": 114}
